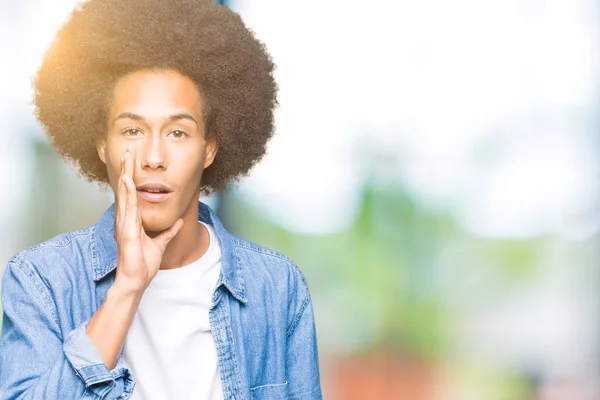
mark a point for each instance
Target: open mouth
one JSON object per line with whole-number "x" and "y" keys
{"x": 154, "y": 192}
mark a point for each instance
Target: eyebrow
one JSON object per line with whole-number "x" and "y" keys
{"x": 170, "y": 118}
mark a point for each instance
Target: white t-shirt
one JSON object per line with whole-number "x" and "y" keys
{"x": 169, "y": 348}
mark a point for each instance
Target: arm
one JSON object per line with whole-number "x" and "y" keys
{"x": 35, "y": 362}
{"x": 302, "y": 363}
{"x": 109, "y": 326}
{"x": 139, "y": 258}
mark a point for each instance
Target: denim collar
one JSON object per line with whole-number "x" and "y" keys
{"x": 104, "y": 250}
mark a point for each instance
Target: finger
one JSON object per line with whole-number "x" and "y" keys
{"x": 130, "y": 195}
{"x": 131, "y": 220}
{"x": 130, "y": 162}
{"x": 163, "y": 239}
{"x": 121, "y": 197}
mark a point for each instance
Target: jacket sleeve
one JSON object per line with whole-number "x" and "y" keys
{"x": 302, "y": 364}
{"x": 35, "y": 362}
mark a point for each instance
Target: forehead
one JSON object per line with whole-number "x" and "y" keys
{"x": 151, "y": 92}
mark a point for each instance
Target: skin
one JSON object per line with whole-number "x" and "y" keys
{"x": 155, "y": 133}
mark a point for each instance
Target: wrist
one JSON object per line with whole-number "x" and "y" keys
{"x": 127, "y": 290}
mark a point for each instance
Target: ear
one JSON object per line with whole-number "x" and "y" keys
{"x": 210, "y": 151}
{"x": 101, "y": 147}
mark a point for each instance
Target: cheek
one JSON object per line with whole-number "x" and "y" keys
{"x": 113, "y": 174}
{"x": 113, "y": 168}
{"x": 187, "y": 168}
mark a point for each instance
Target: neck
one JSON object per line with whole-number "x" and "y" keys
{"x": 190, "y": 243}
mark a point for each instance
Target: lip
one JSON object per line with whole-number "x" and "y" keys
{"x": 154, "y": 197}
{"x": 159, "y": 197}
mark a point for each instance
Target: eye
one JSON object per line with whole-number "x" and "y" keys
{"x": 178, "y": 134}
{"x": 132, "y": 132}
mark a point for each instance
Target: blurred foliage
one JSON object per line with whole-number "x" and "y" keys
{"x": 384, "y": 280}
{"x": 380, "y": 267}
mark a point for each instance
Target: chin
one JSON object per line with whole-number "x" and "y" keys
{"x": 154, "y": 229}
{"x": 157, "y": 224}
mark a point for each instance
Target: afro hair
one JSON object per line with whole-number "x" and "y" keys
{"x": 106, "y": 39}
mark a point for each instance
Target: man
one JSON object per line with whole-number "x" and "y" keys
{"x": 164, "y": 101}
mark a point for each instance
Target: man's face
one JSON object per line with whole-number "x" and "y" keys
{"x": 158, "y": 115}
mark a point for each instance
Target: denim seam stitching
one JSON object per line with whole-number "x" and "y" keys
{"x": 53, "y": 243}
{"x": 94, "y": 251}
{"x": 240, "y": 270}
{"x": 263, "y": 251}
{"x": 270, "y": 385}
{"x": 104, "y": 375}
{"x": 215, "y": 317}
{"x": 107, "y": 389}
{"x": 232, "y": 355}
{"x": 305, "y": 303}
{"x": 40, "y": 287}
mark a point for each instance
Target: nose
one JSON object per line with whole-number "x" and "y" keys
{"x": 153, "y": 153}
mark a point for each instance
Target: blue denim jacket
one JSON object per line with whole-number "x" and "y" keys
{"x": 262, "y": 320}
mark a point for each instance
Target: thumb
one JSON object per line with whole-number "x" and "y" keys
{"x": 163, "y": 239}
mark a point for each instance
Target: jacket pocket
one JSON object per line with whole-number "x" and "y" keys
{"x": 274, "y": 391}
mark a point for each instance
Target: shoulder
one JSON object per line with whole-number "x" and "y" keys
{"x": 52, "y": 276}
{"x": 273, "y": 280}
{"x": 264, "y": 262}
{"x": 270, "y": 274}
{"x": 60, "y": 255}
